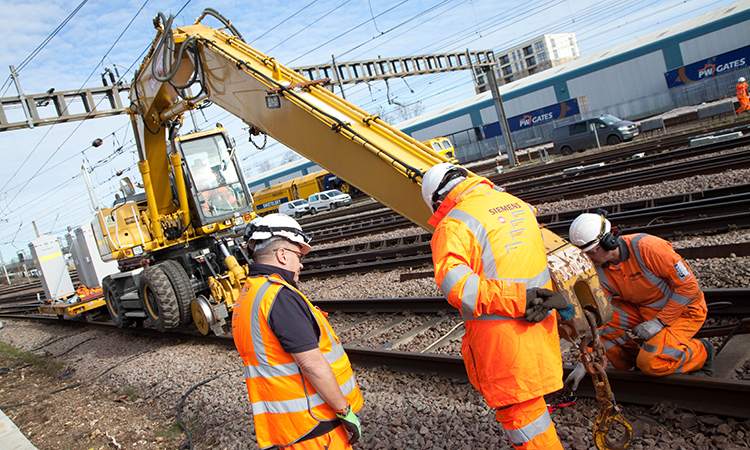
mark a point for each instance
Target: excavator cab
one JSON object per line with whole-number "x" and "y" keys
{"x": 217, "y": 187}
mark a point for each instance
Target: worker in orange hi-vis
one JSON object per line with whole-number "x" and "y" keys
{"x": 490, "y": 263}
{"x": 742, "y": 95}
{"x": 658, "y": 304}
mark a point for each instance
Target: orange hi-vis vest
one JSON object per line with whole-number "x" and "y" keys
{"x": 286, "y": 406}
{"x": 488, "y": 251}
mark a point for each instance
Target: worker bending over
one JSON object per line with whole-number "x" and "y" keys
{"x": 742, "y": 95}
{"x": 490, "y": 263}
{"x": 300, "y": 382}
{"x": 655, "y": 296}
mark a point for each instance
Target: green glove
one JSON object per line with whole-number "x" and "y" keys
{"x": 351, "y": 422}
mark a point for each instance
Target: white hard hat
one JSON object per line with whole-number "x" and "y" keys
{"x": 439, "y": 180}
{"x": 741, "y": 80}
{"x": 587, "y": 230}
{"x": 276, "y": 225}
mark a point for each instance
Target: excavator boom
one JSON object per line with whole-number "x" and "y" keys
{"x": 358, "y": 147}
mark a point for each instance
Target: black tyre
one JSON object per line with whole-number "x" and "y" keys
{"x": 182, "y": 288}
{"x": 297, "y": 215}
{"x": 333, "y": 206}
{"x": 313, "y": 211}
{"x": 158, "y": 298}
{"x": 613, "y": 139}
{"x": 112, "y": 299}
{"x": 566, "y": 151}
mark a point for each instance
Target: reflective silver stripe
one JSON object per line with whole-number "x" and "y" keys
{"x": 260, "y": 349}
{"x": 529, "y": 432}
{"x": 491, "y": 317}
{"x": 298, "y": 404}
{"x": 264, "y": 369}
{"x": 623, "y": 325}
{"x": 603, "y": 279}
{"x": 267, "y": 371}
{"x": 649, "y": 348}
{"x": 656, "y": 281}
{"x": 681, "y": 299}
{"x": 480, "y": 234}
{"x": 469, "y": 296}
{"x": 453, "y": 277}
{"x": 539, "y": 280}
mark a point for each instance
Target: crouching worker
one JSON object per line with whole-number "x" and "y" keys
{"x": 490, "y": 263}
{"x": 301, "y": 386}
{"x": 655, "y": 297}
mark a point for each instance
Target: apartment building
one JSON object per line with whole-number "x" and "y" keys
{"x": 535, "y": 55}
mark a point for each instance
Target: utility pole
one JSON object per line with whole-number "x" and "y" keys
{"x": 490, "y": 74}
{"x": 336, "y": 77}
{"x": 2, "y": 260}
{"x": 21, "y": 97}
{"x": 36, "y": 230}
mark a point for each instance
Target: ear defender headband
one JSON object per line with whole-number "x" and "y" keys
{"x": 607, "y": 240}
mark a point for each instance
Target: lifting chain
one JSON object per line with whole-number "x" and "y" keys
{"x": 252, "y": 131}
{"x": 594, "y": 361}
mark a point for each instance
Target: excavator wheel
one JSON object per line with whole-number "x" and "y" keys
{"x": 182, "y": 288}
{"x": 112, "y": 299}
{"x": 158, "y": 298}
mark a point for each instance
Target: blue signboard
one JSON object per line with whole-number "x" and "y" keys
{"x": 701, "y": 70}
{"x": 544, "y": 115}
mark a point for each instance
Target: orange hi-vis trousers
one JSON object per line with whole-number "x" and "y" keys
{"x": 672, "y": 350}
{"x": 336, "y": 439}
{"x": 529, "y": 426}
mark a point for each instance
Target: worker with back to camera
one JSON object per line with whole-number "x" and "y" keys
{"x": 655, "y": 296}
{"x": 301, "y": 385}
{"x": 742, "y": 96}
{"x": 490, "y": 263}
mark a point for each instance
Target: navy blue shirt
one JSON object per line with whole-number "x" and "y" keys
{"x": 294, "y": 325}
{"x": 290, "y": 318}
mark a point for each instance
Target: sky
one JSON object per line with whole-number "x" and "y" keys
{"x": 67, "y": 45}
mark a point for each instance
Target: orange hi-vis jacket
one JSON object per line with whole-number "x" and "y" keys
{"x": 286, "y": 406}
{"x": 487, "y": 251}
{"x": 654, "y": 277}
{"x": 742, "y": 94}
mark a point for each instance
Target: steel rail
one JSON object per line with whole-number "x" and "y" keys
{"x": 593, "y": 170}
{"x": 720, "y": 301}
{"x": 721, "y": 397}
{"x": 622, "y": 152}
{"x": 613, "y": 182}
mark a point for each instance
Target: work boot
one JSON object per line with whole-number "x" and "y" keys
{"x": 708, "y": 367}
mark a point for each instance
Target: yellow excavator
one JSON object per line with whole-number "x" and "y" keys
{"x": 176, "y": 264}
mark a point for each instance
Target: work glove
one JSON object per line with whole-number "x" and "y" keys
{"x": 574, "y": 378}
{"x": 648, "y": 329}
{"x": 351, "y": 422}
{"x": 540, "y": 301}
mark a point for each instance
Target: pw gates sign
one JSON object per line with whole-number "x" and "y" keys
{"x": 701, "y": 70}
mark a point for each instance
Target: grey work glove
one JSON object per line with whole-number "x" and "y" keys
{"x": 648, "y": 329}
{"x": 351, "y": 423}
{"x": 540, "y": 301}
{"x": 575, "y": 377}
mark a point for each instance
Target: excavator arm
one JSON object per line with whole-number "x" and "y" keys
{"x": 272, "y": 99}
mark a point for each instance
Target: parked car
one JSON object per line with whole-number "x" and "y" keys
{"x": 328, "y": 200}
{"x": 295, "y": 208}
{"x": 579, "y": 136}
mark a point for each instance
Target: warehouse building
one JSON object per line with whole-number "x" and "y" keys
{"x": 694, "y": 61}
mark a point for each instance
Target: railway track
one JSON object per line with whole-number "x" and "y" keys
{"x": 719, "y": 396}
{"x": 608, "y": 155}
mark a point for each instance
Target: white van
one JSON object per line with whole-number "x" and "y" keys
{"x": 295, "y": 208}
{"x": 328, "y": 200}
